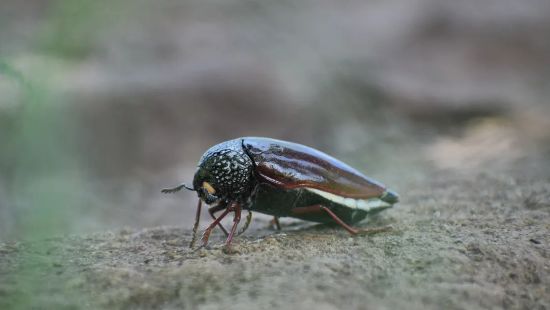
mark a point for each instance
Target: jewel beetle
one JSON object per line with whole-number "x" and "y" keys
{"x": 282, "y": 179}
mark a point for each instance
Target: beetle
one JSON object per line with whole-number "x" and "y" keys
{"x": 282, "y": 179}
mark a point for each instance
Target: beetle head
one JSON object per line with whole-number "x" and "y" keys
{"x": 224, "y": 173}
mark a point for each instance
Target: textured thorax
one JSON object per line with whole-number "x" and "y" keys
{"x": 227, "y": 167}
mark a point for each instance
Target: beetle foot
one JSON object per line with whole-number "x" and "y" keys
{"x": 192, "y": 243}
{"x": 202, "y": 246}
{"x": 228, "y": 249}
{"x": 374, "y": 230}
{"x": 194, "y": 239}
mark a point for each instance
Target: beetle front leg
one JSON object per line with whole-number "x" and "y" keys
{"x": 196, "y": 225}
{"x": 215, "y": 209}
{"x": 208, "y": 230}
{"x": 236, "y": 219}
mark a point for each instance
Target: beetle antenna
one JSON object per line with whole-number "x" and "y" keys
{"x": 177, "y": 189}
{"x": 188, "y": 188}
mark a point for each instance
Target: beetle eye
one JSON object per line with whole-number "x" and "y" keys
{"x": 208, "y": 188}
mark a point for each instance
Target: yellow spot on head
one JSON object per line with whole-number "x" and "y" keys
{"x": 208, "y": 188}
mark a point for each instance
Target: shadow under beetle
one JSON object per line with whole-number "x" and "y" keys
{"x": 282, "y": 178}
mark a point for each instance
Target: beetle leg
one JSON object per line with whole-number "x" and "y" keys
{"x": 236, "y": 219}
{"x": 246, "y": 224}
{"x": 196, "y": 225}
{"x": 275, "y": 222}
{"x": 208, "y": 230}
{"x": 215, "y": 209}
{"x": 351, "y": 230}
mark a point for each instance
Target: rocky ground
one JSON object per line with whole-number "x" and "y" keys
{"x": 474, "y": 240}
{"x": 444, "y": 101}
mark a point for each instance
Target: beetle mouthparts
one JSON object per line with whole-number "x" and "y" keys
{"x": 390, "y": 197}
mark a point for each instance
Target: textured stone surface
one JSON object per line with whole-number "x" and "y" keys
{"x": 460, "y": 241}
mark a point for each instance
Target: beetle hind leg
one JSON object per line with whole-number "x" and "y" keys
{"x": 339, "y": 221}
{"x": 352, "y": 230}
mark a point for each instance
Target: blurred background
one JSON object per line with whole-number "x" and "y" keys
{"x": 103, "y": 103}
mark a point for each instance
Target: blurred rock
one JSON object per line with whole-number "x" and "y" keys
{"x": 427, "y": 55}
{"x": 138, "y": 90}
{"x": 491, "y": 142}
{"x": 156, "y": 126}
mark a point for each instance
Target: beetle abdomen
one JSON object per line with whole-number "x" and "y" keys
{"x": 367, "y": 205}
{"x": 271, "y": 200}
{"x": 390, "y": 197}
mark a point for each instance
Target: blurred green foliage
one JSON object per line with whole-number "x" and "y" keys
{"x": 40, "y": 170}
{"x": 73, "y": 28}
{"x": 38, "y": 157}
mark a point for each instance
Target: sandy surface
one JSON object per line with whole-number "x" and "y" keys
{"x": 475, "y": 240}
